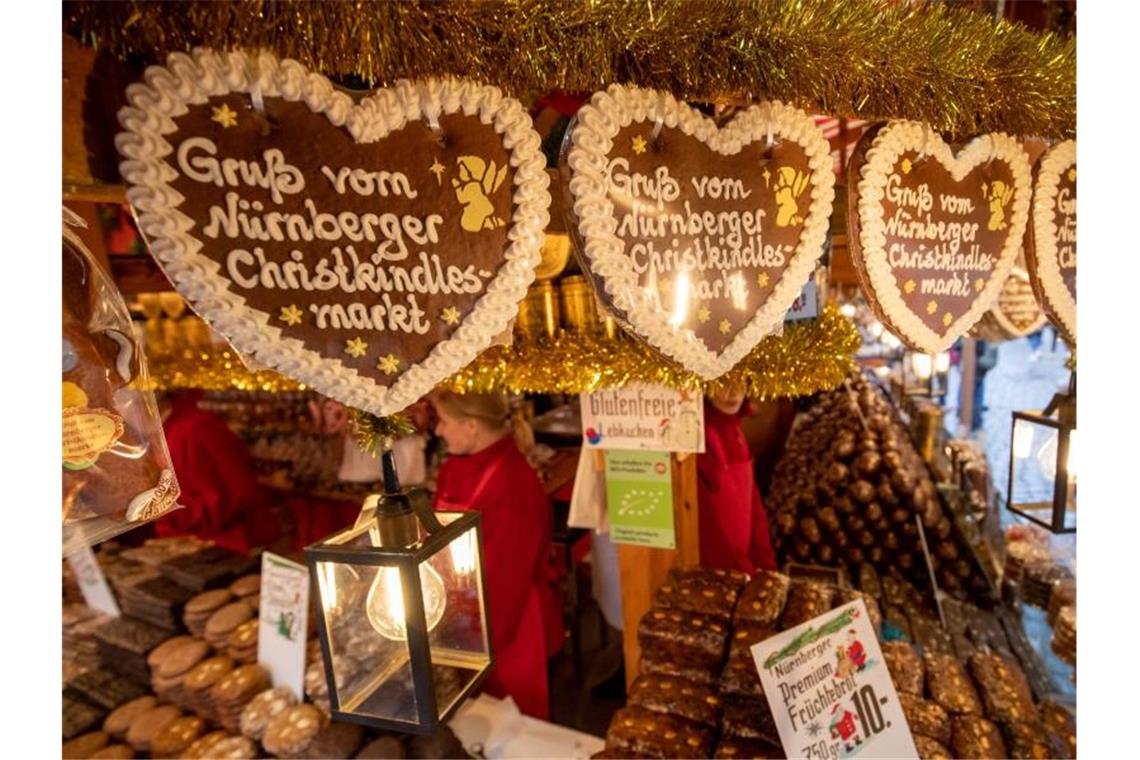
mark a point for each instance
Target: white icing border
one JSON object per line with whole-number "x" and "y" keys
{"x": 1009, "y": 327}
{"x": 192, "y": 79}
{"x": 895, "y": 138}
{"x": 591, "y": 139}
{"x": 1059, "y": 303}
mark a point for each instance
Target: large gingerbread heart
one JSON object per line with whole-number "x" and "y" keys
{"x": 1051, "y": 252}
{"x": 1015, "y": 312}
{"x": 933, "y": 235}
{"x": 698, "y": 238}
{"x": 366, "y": 249}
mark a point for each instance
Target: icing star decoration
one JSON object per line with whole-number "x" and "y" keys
{"x": 388, "y": 364}
{"x": 905, "y": 166}
{"x": 450, "y": 315}
{"x": 1072, "y": 175}
{"x": 639, "y": 145}
{"x": 979, "y": 284}
{"x": 947, "y": 318}
{"x": 703, "y": 314}
{"x": 437, "y": 169}
{"x": 355, "y": 347}
{"x": 291, "y": 315}
{"x": 224, "y": 116}
{"x": 931, "y": 307}
{"x": 909, "y": 286}
{"x": 724, "y": 326}
{"x": 762, "y": 279}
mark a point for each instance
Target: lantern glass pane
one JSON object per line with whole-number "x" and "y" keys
{"x": 364, "y": 615}
{"x": 459, "y": 641}
{"x": 1036, "y": 464}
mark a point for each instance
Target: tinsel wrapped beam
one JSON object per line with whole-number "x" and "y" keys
{"x": 957, "y": 69}
{"x": 810, "y": 356}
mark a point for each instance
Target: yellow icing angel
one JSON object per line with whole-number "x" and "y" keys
{"x": 790, "y": 185}
{"x": 477, "y": 182}
{"x": 1000, "y": 196}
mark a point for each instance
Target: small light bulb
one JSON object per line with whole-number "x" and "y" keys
{"x": 922, "y": 364}
{"x": 847, "y": 310}
{"x": 463, "y": 553}
{"x": 385, "y": 605}
{"x": 942, "y": 363}
{"x": 875, "y": 329}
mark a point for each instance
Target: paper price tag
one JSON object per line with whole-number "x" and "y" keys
{"x": 284, "y": 621}
{"x": 829, "y": 691}
{"x": 92, "y": 583}
{"x": 643, "y": 418}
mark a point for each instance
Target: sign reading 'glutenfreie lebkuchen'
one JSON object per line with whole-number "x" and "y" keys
{"x": 366, "y": 249}
{"x": 934, "y": 235}
{"x": 698, "y": 237}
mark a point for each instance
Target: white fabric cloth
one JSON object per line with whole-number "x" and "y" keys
{"x": 499, "y": 730}
{"x": 358, "y": 466}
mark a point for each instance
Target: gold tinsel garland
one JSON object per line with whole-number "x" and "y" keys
{"x": 957, "y": 69}
{"x": 809, "y": 357}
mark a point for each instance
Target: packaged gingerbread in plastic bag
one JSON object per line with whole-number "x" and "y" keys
{"x": 116, "y": 468}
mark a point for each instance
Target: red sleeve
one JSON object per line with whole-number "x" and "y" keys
{"x": 761, "y": 553}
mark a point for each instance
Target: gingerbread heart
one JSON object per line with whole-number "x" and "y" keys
{"x": 1051, "y": 252}
{"x": 1015, "y": 313}
{"x": 697, "y": 237}
{"x": 366, "y": 249}
{"x": 933, "y": 235}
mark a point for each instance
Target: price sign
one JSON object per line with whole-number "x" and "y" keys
{"x": 92, "y": 583}
{"x": 829, "y": 691}
{"x": 284, "y": 620}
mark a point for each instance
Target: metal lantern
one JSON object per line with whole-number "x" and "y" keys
{"x": 1042, "y": 483}
{"x": 924, "y": 375}
{"x": 402, "y": 614}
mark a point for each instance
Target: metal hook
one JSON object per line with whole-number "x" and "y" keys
{"x": 257, "y": 100}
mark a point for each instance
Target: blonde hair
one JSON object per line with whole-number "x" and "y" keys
{"x": 493, "y": 410}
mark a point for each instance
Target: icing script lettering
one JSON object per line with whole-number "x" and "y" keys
{"x": 1066, "y": 229}
{"x": 700, "y": 252}
{"x": 360, "y": 246}
{"x": 946, "y": 248}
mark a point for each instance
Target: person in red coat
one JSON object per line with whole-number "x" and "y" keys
{"x": 486, "y": 472}
{"x": 733, "y": 524}
{"x": 222, "y": 499}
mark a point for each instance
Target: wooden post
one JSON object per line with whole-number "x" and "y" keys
{"x": 969, "y": 365}
{"x": 642, "y": 569}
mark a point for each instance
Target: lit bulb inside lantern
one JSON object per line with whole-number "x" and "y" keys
{"x": 942, "y": 363}
{"x": 1022, "y": 441}
{"x": 875, "y": 329}
{"x": 385, "y": 605}
{"x": 922, "y": 364}
{"x": 847, "y": 310}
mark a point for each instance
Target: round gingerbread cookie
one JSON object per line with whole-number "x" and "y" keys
{"x": 246, "y": 586}
{"x": 203, "y": 746}
{"x": 208, "y": 672}
{"x": 114, "y": 752}
{"x": 122, "y": 716}
{"x": 180, "y": 660}
{"x": 234, "y": 748}
{"x": 241, "y": 683}
{"x": 263, "y": 708}
{"x": 208, "y": 601}
{"x": 228, "y": 618}
{"x": 178, "y": 734}
{"x": 244, "y": 636}
{"x": 293, "y": 730}
{"x": 83, "y": 746}
{"x": 146, "y": 726}
{"x": 160, "y": 652}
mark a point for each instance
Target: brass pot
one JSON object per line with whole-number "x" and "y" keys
{"x": 538, "y": 313}
{"x": 579, "y": 309}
